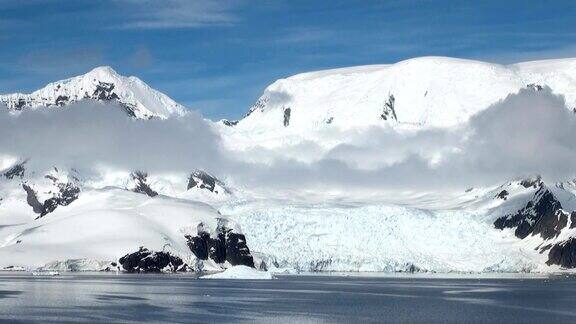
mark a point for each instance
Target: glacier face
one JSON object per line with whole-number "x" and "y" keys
{"x": 388, "y": 238}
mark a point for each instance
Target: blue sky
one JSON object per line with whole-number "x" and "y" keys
{"x": 218, "y": 56}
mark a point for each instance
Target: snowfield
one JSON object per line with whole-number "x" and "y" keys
{"x": 103, "y": 225}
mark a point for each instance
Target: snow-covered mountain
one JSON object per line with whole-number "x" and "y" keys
{"x": 426, "y": 92}
{"x": 103, "y": 84}
{"x": 89, "y": 219}
{"x": 62, "y": 220}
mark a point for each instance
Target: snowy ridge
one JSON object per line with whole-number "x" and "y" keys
{"x": 418, "y": 93}
{"x": 102, "y": 83}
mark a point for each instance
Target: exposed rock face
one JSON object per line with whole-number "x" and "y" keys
{"x": 535, "y": 87}
{"x": 287, "y": 112}
{"x": 573, "y": 219}
{"x": 66, "y": 194}
{"x": 230, "y": 123}
{"x": 217, "y": 248}
{"x": 388, "y": 112}
{"x": 503, "y": 195}
{"x": 17, "y": 171}
{"x": 532, "y": 182}
{"x": 32, "y": 200}
{"x": 260, "y": 104}
{"x": 237, "y": 251}
{"x": 105, "y": 92}
{"x": 141, "y": 185}
{"x": 203, "y": 180}
{"x": 225, "y": 246}
{"x": 542, "y": 215}
{"x": 199, "y": 245}
{"x": 145, "y": 261}
{"x": 563, "y": 254}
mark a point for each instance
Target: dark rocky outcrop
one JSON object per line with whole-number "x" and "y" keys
{"x": 388, "y": 112}
{"x": 573, "y": 219}
{"x": 287, "y": 112}
{"x": 146, "y": 261}
{"x": 199, "y": 245}
{"x": 130, "y": 110}
{"x": 237, "y": 251}
{"x": 67, "y": 193}
{"x": 542, "y": 215}
{"x": 563, "y": 254}
{"x": 140, "y": 179}
{"x": 32, "y": 199}
{"x": 532, "y": 182}
{"x": 230, "y": 123}
{"x": 104, "y": 91}
{"x": 20, "y": 104}
{"x": 225, "y": 246}
{"x": 535, "y": 87}
{"x": 258, "y": 105}
{"x": 217, "y": 248}
{"x": 203, "y": 180}
{"x": 503, "y": 195}
{"x": 61, "y": 100}
{"x": 15, "y": 171}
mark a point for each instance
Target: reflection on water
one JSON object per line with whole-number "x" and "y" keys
{"x": 184, "y": 299}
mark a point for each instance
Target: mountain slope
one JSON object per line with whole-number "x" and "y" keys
{"x": 420, "y": 92}
{"x": 104, "y": 84}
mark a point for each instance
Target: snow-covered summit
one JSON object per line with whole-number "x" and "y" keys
{"x": 104, "y": 84}
{"x": 420, "y": 92}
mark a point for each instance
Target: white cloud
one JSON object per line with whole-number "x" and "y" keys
{"x": 154, "y": 14}
{"x": 86, "y": 134}
{"x": 525, "y": 134}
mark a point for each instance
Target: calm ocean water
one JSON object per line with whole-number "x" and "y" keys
{"x": 297, "y": 299}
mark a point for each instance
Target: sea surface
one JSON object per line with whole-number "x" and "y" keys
{"x": 93, "y": 297}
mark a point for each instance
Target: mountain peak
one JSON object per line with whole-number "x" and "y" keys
{"x": 102, "y": 83}
{"x": 103, "y": 70}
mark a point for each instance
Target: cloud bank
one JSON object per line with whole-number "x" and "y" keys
{"x": 526, "y": 133}
{"x": 88, "y": 133}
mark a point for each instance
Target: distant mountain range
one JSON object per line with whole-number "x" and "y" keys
{"x": 102, "y": 84}
{"x": 55, "y": 216}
